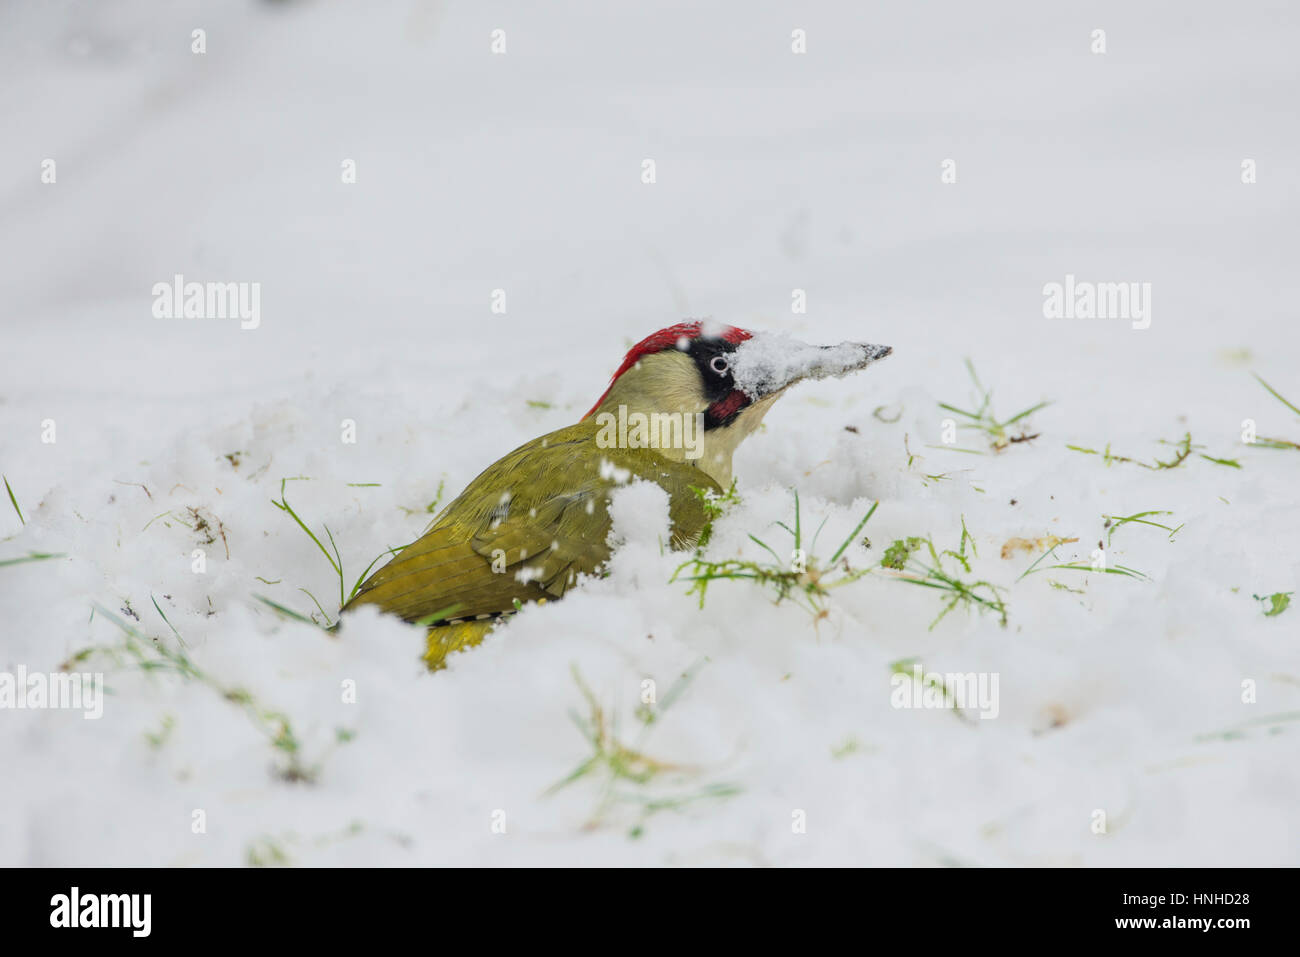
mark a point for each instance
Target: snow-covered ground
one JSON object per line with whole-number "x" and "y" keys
{"x": 1164, "y": 708}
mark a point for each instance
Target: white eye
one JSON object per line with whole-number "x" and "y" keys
{"x": 719, "y": 365}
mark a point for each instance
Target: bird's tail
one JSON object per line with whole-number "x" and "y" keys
{"x": 444, "y": 639}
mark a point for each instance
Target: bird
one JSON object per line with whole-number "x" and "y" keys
{"x": 676, "y": 409}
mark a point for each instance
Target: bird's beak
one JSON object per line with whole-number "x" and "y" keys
{"x": 768, "y": 364}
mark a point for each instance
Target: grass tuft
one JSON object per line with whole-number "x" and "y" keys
{"x": 803, "y": 578}
{"x": 714, "y": 506}
{"x": 623, "y": 773}
{"x": 1113, "y": 523}
{"x": 984, "y": 420}
{"x": 335, "y": 560}
{"x": 1123, "y": 570}
{"x": 901, "y": 557}
{"x": 1183, "y": 450}
{"x": 156, "y": 655}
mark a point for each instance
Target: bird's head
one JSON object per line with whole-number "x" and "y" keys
{"x": 723, "y": 378}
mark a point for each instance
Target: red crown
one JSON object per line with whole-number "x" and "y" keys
{"x": 668, "y": 339}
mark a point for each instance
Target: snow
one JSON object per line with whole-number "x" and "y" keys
{"x": 765, "y": 364}
{"x": 775, "y": 172}
{"x": 639, "y": 513}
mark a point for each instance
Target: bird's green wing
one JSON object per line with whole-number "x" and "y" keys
{"x": 526, "y": 527}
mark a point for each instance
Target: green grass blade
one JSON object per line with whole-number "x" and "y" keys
{"x": 32, "y": 557}
{"x": 764, "y": 544}
{"x": 798, "y": 522}
{"x": 953, "y": 408}
{"x": 14, "y": 500}
{"x": 1029, "y": 411}
{"x": 166, "y": 619}
{"x": 1277, "y": 395}
{"x": 361, "y": 579}
{"x": 439, "y": 615}
{"x": 854, "y": 534}
{"x": 1051, "y": 551}
{"x": 285, "y": 611}
{"x": 1230, "y": 463}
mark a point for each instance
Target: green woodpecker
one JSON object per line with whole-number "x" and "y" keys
{"x": 530, "y": 524}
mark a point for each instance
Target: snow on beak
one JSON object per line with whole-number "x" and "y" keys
{"x": 767, "y": 364}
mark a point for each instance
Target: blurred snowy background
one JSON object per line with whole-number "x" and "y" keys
{"x": 522, "y": 171}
